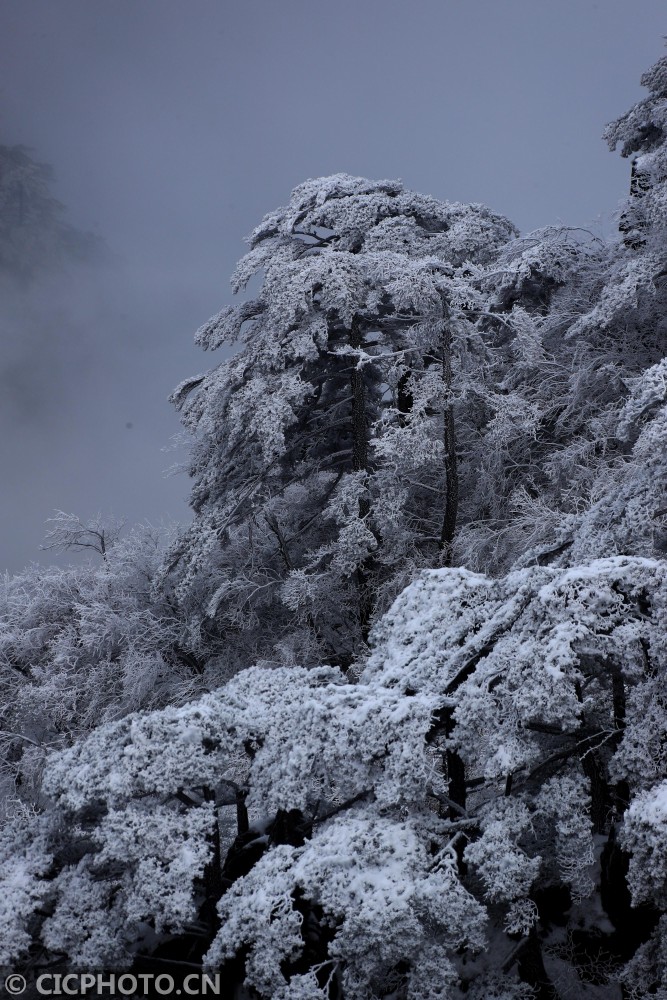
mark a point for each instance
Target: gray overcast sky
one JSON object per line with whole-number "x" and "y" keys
{"x": 174, "y": 125}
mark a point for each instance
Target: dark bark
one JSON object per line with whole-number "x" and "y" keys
{"x": 530, "y": 965}
{"x": 618, "y": 699}
{"x": 188, "y": 659}
{"x": 599, "y": 790}
{"x": 633, "y": 925}
{"x": 317, "y": 933}
{"x": 213, "y": 881}
{"x": 451, "y": 469}
{"x": 632, "y": 227}
{"x": 621, "y": 791}
{"x": 359, "y": 429}
{"x": 456, "y": 775}
{"x": 404, "y": 399}
{"x": 242, "y": 824}
{"x": 360, "y": 464}
{"x": 454, "y": 769}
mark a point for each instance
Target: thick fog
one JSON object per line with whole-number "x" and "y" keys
{"x": 173, "y": 126}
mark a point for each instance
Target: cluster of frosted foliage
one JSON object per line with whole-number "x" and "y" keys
{"x": 375, "y": 884}
{"x": 355, "y": 541}
{"x": 649, "y": 393}
{"x": 322, "y": 267}
{"x": 89, "y": 923}
{"x": 626, "y": 511}
{"x": 645, "y": 975}
{"x": 531, "y": 272}
{"x": 507, "y": 872}
{"x": 505, "y": 856}
{"x": 599, "y": 311}
{"x": 528, "y": 639}
{"x": 356, "y": 763}
{"x": 416, "y": 640}
{"x": 163, "y": 856}
{"x": 530, "y": 667}
{"x": 87, "y": 644}
{"x": 145, "y": 848}
{"x": 24, "y": 860}
{"x": 641, "y": 759}
{"x": 345, "y": 740}
{"x": 644, "y": 835}
{"x": 356, "y": 209}
{"x": 566, "y": 801}
{"x": 142, "y": 863}
{"x": 525, "y": 666}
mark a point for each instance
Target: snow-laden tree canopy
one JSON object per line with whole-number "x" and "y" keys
{"x": 325, "y": 458}
{"x": 380, "y": 831}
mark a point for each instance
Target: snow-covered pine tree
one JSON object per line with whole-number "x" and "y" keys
{"x": 33, "y": 234}
{"x": 588, "y": 334}
{"x": 325, "y": 456}
{"x": 642, "y": 134}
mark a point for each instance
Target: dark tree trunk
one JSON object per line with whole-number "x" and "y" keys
{"x": 531, "y": 969}
{"x": 599, "y": 790}
{"x": 359, "y": 429}
{"x": 360, "y": 464}
{"x": 633, "y": 228}
{"x": 454, "y": 771}
{"x": 633, "y": 924}
{"x": 621, "y": 793}
{"x": 213, "y": 880}
{"x": 451, "y": 471}
{"x": 618, "y": 698}
{"x": 456, "y": 775}
{"x": 404, "y": 399}
{"x": 242, "y": 824}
